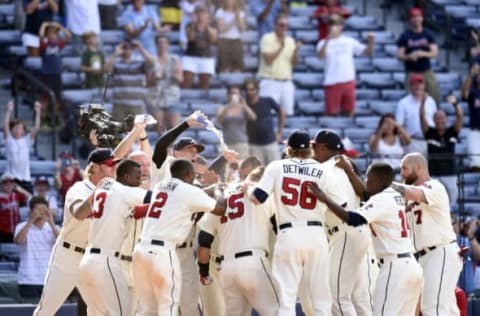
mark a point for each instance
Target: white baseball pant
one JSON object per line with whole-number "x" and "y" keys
{"x": 441, "y": 269}
{"x": 247, "y": 282}
{"x": 157, "y": 275}
{"x": 300, "y": 253}
{"x": 399, "y": 285}
{"x": 127, "y": 268}
{"x": 190, "y": 294}
{"x": 61, "y": 278}
{"x": 102, "y": 276}
{"x": 211, "y": 295}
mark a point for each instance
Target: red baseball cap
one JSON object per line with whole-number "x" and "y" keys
{"x": 416, "y": 78}
{"x": 414, "y": 12}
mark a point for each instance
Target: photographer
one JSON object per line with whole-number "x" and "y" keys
{"x": 123, "y": 62}
{"x": 471, "y": 93}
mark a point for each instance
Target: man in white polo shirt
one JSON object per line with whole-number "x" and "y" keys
{"x": 338, "y": 51}
{"x": 278, "y": 56}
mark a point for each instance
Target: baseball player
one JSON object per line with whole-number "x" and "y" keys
{"x": 349, "y": 260}
{"x": 243, "y": 242}
{"x": 156, "y": 265}
{"x": 435, "y": 243}
{"x": 63, "y": 270}
{"x": 100, "y": 270}
{"x": 301, "y": 246}
{"x": 399, "y": 282}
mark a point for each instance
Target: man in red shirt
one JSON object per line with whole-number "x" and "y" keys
{"x": 324, "y": 11}
{"x": 11, "y": 197}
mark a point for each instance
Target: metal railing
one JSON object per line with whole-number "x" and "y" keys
{"x": 22, "y": 78}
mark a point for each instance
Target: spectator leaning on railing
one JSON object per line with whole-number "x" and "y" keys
{"x": 471, "y": 93}
{"x": 441, "y": 141}
{"x": 416, "y": 47}
{"x": 35, "y": 237}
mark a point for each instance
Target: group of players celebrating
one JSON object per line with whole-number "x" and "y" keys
{"x": 149, "y": 233}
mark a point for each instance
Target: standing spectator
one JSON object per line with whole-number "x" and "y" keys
{"x": 230, "y": 20}
{"x": 50, "y": 48}
{"x": 262, "y": 139}
{"x": 123, "y": 102}
{"x": 12, "y": 196}
{"x": 67, "y": 173}
{"x": 36, "y": 238}
{"x": 234, "y": 117}
{"x": 188, "y": 11}
{"x": 165, "y": 79}
{"x": 141, "y": 22}
{"x": 389, "y": 141}
{"x": 416, "y": 47}
{"x": 198, "y": 58}
{"x": 82, "y": 17}
{"x": 108, "y": 10}
{"x": 471, "y": 93}
{"x": 265, "y": 11}
{"x": 338, "y": 51}
{"x": 408, "y": 115}
{"x": 322, "y": 15}
{"x": 36, "y": 12}
{"x": 465, "y": 229}
{"x": 93, "y": 61}
{"x": 171, "y": 14}
{"x": 278, "y": 56}
{"x": 18, "y": 144}
{"x": 441, "y": 141}
{"x": 41, "y": 189}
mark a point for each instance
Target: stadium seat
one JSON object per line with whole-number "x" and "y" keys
{"x": 71, "y": 63}
{"x": 10, "y": 251}
{"x": 448, "y": 81}
{"x": 218, "y": 95}
{"x": 302, "y": 11}
{"x": 250, "y": 37}
{"x": 376, "y": 80}
{"x": 308, "y": 80}
{"x": 307, "y": 50}
{"x": 357, "y": 134}
{"x": 250, "y": 63}
{"x": 8, "y": 266}
{"x": 390, "y": 49}
{"x": 311, "y": 107}
{"x": 383, "y": 107}
{"x": 361, "y": 164}
{"x": 112, "y": 36}
{"x": 79, "y": 96}
{"x": 72, "y": 80}
{"x": 310, "y": 36}
{"x": 33, "y": 63}
{"x": 367, "y": 94}
{"x": 234, "y": 78}
{"x": 335, "y": 122}
{"x": 10, "y": 37}
{"x": 393, "y": 94}
{"x": 173, "y": 37}
{"x": 302, "y": 95}
{"x": 318, "y": 94}
{"x": 369, "y": 122}
{"x": 128, "y": 92}
{"x": 388, "y": 64}
{"x": 301, "y": 122}
{"x": 208, "y": 108}
{"x": 314, "y": 63}
{"x": 381, "y": 37}
{"x": 299, "y": 23}
{"x": 362, "y": 108}
{"x": 362, "y": 23}
{"x": 17, "y": 50}
{"x": 363, "y": 65}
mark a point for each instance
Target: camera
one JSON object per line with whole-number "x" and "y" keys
{"x": 94, "y": 117}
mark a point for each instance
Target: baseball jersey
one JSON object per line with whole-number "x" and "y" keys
{"x": 430, "y": 222}
{"x": 385, "y": 212}
{"x": 113, "y": 203}
{"x": 288, "y": 180}
{"x": 73, "y": 230}
{"x": 343, "y": 192}
{"x": 244, "y": 225}
{"x": 171, "y": 209}
{"x": 162, "y": 173}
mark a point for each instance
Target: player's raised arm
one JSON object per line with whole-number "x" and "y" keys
{"x": 82, "y": 209}
{"x": 410, "y": 192}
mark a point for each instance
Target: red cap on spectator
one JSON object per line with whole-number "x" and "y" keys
{"x": 416, "y": 78}
{"x": 414, "y": 12}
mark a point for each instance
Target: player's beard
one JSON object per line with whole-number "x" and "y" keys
{"x": 411, "y": 178}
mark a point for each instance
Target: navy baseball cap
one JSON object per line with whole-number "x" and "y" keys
{"x": 299, "y": 140}
{"x": 329, "y": 138}
{"x": 102, "y": 155}
{"x": 185, "y": 142}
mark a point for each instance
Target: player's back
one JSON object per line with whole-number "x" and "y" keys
{"x": 74, "y": 230}
{"x": 169, "y": 214}
{"x": 431, "y": 223}
{"x": 113, "y": 203}
{"x": 341, "y": 191}
{"x": 385, "y": 212}
{"x": 288, "y": 180}
{"x": 244, "y": 225}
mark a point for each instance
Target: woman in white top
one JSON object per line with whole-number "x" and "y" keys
{"x": 230, "y": 19}
{"x": 389, "y": 140}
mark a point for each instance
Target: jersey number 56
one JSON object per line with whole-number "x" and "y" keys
{"x": 296, "y": 193}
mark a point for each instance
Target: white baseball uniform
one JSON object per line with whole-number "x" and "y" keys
{"x": 243, "y": 242}
{"x": 399, "y": 281}
{"x": 301, "y": 247}
{"x": 351, "y": 277}
{"x": 100, "y": 270}
{"x": 156, "y": 265}
{"x": 437, "y": 249}
{"x": 63, "y": 269}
